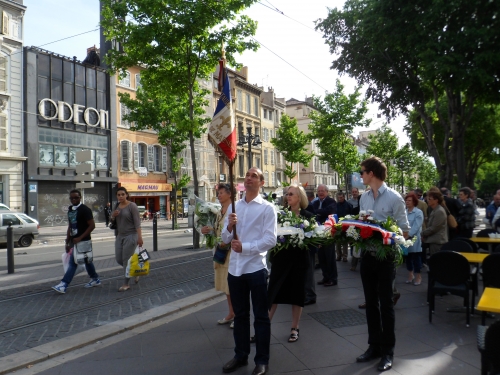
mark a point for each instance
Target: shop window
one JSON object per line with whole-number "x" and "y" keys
{"x": 3, "y": 133}
{"x": 126, "y": 155}
{"x": 125, "y": 80}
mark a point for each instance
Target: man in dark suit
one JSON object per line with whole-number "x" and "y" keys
{"x": 324, "y": 207}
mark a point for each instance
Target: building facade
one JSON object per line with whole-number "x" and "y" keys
{"x": 317, "y": 172}
{"x": 12, "y": 155}
{"x": 69, "y": 107}
{"x": 142, "y": 161}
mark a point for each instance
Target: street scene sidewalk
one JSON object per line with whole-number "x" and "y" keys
{"x": 188, "y": 340}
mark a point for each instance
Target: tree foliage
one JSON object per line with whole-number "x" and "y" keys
{"x": 411, "y": 53}
{"x": 482, "y": 136}
{"x": 179, "y": 42}
{"x": 332, "y": 126}
{"x": 292, "y": 143}
{"x": 406, "y": 167}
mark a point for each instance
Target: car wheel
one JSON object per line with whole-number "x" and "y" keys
{"x": 25, "y": 241}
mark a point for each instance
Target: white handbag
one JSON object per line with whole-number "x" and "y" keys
{"x": 82, "y": 252}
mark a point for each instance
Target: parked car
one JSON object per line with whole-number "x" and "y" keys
{"x": 25, "y": 228}
{"x": 4, "y": 207}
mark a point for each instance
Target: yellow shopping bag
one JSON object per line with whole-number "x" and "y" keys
{"x": 136, "y": 266}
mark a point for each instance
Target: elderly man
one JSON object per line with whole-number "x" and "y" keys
{"x": 355, "y": 196}
{"x": 344, "y": 208}
{"x": 324, "y": 207}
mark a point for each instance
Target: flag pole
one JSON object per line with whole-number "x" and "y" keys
{"x": 233, "y": 193}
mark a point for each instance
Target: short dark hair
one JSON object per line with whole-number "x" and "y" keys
{"x": 377, "y": 166}
{"x": 467, "y": 191}
{"x": 413, "y": 197}
{"x": 76, "y": 191}
{"x": 418, "y": 191}
{"x": 228, "y": 188}
{"x": 436, "y": 194}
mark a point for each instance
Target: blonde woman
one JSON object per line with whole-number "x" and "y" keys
{"x": 224, "y": 193}
{"x": 289, "y": 267}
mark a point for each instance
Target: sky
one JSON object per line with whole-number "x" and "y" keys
{"x": 293, "y": 58}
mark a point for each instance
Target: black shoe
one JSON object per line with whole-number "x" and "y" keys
{"x": 371, "y": 353}
{"x": 362, "y": 306}
{"x": 321, "y": 282}
{"x": 330, "y": 283}
{"x": 260, "y": 369}
{"x": 385, "y": 363}
{"x": 395, "y": 298}
{"x": 309, "y": 302}
{"x": 252, "y": 339}
{"x": 233, "y": 365}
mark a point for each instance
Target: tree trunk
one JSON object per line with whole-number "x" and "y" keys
{"x": 196, "y": 235}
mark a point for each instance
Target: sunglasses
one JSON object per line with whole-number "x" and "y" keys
{"x": 363, "y": 171}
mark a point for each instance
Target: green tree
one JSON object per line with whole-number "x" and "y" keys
{"x": 332, "y": 126}
{"x": 384, "y": 144}
{"x": 179, "y": 42}
{"x": 482, "y": 136}
{"x": 410, "y": 53}
{"x": 292, "y": 143}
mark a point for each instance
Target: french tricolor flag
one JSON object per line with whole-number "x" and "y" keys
{"x": 222, "y": 130}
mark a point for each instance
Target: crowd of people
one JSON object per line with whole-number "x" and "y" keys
{"x": 246, "y": 236}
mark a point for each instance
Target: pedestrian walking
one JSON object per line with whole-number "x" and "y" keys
{"x": 377, "y": 275}
{"x": 128, "y": 233}
{"x": 107, "y": 213}
{"x": 80, "y": 225}
{"x": 256, "y": 223}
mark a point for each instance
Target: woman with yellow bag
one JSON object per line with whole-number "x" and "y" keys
{"x": 129, "y": 232}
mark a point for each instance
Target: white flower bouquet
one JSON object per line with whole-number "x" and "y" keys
{"x": 205, "y": 214}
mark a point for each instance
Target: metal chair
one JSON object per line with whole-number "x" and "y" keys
{"x": 488, "y": 344}
{"x": 491, "y": 275}
{"x": 449, "y": 272}
{"x": 464, "y": 247}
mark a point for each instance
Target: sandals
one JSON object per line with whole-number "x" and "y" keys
{"x": 124, "y": 288}
{"x": 294, "y": 336}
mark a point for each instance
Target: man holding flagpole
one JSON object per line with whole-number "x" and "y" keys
{"x": 257, "y": 229}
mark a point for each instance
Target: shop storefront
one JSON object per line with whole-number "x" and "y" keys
{"x": 68, "y": 109}
{"x": 154, "y": 197}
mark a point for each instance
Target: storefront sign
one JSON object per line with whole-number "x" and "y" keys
{"x": 150, "y": 187}
{"x": 100, "y": 117}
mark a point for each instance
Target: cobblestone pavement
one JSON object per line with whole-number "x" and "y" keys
{"x": 26, "y": 313}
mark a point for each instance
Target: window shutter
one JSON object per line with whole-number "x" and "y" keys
{"x": 5, "y": 23}
{"x": 272, "y": 157}
{"x": 3, "y": 74}
{"x": 150, "y": 158}
{"x": 125, "y": 150}
{"x": 123, "y": 113}
{"x": 3, "y": 133}
{"x": 136, "y": 156}
{"x": 163, "y": 159}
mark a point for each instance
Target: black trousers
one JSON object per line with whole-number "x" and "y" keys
{"x": 377, "y": 277}
{"x": 327, "y": 262}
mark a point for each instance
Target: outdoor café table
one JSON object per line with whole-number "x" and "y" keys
{"x": 488, "y": 240}
{"x": 474, "y": 257}
{"x": 489, "y": 302}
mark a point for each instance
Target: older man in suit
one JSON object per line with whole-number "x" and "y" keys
{"x": 324, "y": 207}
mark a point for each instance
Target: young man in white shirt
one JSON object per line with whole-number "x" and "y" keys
{"x": 256, "y": 223}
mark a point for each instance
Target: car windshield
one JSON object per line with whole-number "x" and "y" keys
{"x": 27, "y": 219}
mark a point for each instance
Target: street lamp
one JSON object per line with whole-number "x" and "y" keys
{"x": 250, "y": 140}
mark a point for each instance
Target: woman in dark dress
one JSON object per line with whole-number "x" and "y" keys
{"x": 289, "y": 268}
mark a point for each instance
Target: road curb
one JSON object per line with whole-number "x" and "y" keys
{"x": 53, "y": 349}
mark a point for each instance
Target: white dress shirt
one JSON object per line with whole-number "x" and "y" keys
{"x": 257, "y": 231}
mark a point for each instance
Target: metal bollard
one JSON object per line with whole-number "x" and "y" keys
{"x": 10, "y": 249}
{"x": 155, "y": 233}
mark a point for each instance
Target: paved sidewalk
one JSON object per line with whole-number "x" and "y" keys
{"x": 188, "y": 341}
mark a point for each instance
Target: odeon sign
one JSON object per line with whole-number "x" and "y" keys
{"x": 74, "y": 113}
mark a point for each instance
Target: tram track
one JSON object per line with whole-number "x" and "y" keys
{"x": 153, "y": 269}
